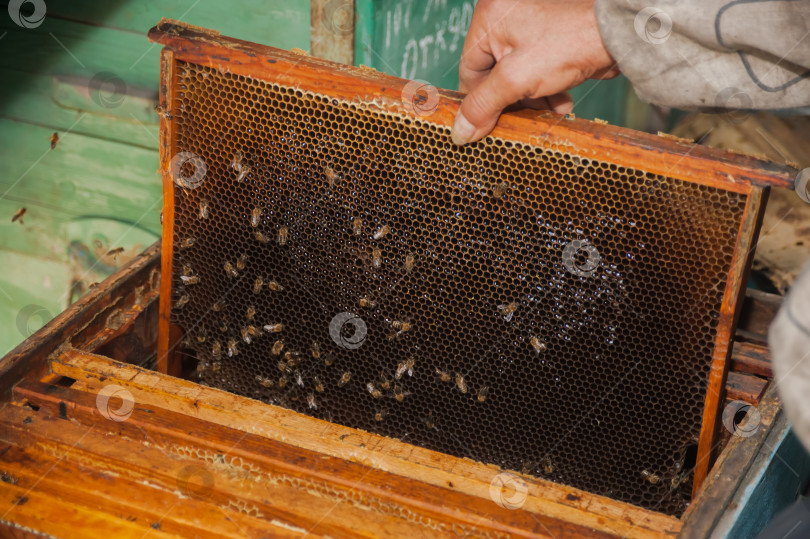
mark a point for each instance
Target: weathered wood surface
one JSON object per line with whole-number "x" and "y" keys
{"x": 728, "y": 472}
{"x": 200, "y": 409}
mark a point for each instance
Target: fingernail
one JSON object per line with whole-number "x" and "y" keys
{"x": 462, "y": 131}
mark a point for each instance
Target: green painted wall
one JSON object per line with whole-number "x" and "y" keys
{"x": 423, "y": 39}
{"x": 88, "y": 72}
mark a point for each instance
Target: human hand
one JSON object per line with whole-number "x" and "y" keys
{"x": 526, "y": 51}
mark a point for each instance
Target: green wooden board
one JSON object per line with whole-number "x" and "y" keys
{"x": 423, "y": 39}
{"x": 89, "y": 69}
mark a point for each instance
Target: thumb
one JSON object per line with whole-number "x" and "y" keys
{"x": 481, "y": 107}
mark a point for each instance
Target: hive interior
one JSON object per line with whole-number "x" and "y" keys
{"x": 560, "y": 312}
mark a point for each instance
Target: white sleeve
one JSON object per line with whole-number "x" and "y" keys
{"x": 711, "y": 54}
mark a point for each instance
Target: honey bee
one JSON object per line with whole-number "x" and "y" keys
{"x": 278, "y": 346}
{"x": 381, "y": 232}
{"x": 376, "y": 393}
{"x": 229, "y": 269}
{"x": 216, "y": 366}
{"x": 282, "y": 381}
{"x": 241, "y": 262}
{"x": 311, "y": 401}
{"x": 508, "y": 311}
{"x": 330, "y": 174}
{"x": 216, "y": 350}
{"x": 201, "y": 366}
{"x": 381, "y": 414}
{"x": 203, "y": 209}
{"x": 537, "y": 345}
{"x": 399, "y": 393}
{"x": 190, "y": 279}
{"x": 299, "y": 379}
{"x": 282, "y": 365}
{"x": 367, "y": 302}
{"x": 327, "y": 360}
{"x": 182, "y": 301}
{"x": 316, "y": 350}
{"x": 188, "y": 242}
{"x": 163, "y": 112}
{"x": 482, "y": 393}
{"x": 344, "y": 379}
{"x": 254, "y": 331}
{"x": 244, "y": 170}
{"x": 246, "y": 336}
{"x": 224, "y": 327}
{"x": 92, "y": 285}
{"x": 318, "y": 384}
{"x": 251, "y": 312}
{"x": 385, "y": 383}
{"x": 376, "y": 258}
{"x": 651, "y": 478}
{"x": 115, "y": 252}
{"x": 18, "y": 216}
{"x": 232, "y": 349}
{"x": 461, "y": 383}
{"x": 218, "y": 306}
{"x": 548, "y": 466}
{"x": 292, "y": 357}
{"x": 357, "y": 226}
{"x": 255, "y": 217}
{"x": 429, "y": 422}
{"x": 257, "y": 285}
{"x": 527, "y": 467}
{"x": 443, "y": 376}
{"x": 54, "y": 140}
{"x": 499, "y": 190}
{"x": 410, "y": 260}
{"x": 405, "y": 366}
{"x": 261, "y": 237}
{"x": 237, "y": 160}
{"x": 274, "y": 328}
{"x": 283, "y": 232}
{"x": 401, "y": 325}
{"x": 202, "y": 335}
{"x": 273, "y": 286}
{"x": 265, "y": 382}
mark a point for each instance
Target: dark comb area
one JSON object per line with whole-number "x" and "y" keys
{"x": 510, "y": 303}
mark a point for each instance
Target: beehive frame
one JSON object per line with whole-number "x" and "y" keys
{"x": 661, "y": 156}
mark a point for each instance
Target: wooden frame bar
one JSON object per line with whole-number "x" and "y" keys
{"x": 729, "y": 313}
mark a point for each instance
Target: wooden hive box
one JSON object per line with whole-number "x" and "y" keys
{"x": 170, "y": 456}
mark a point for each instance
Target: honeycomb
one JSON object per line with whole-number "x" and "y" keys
{"x": 514, "y": 304}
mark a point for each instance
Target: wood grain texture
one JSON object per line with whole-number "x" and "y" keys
{"x": 726, "y": 476}
{"x": 421, "y": 465}
{"x": 745, "y": 387}
{"x": 332, "y": 30}
{"x": 729, "y": 313}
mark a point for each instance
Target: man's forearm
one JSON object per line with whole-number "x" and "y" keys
{"x": 707, "y": 54}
